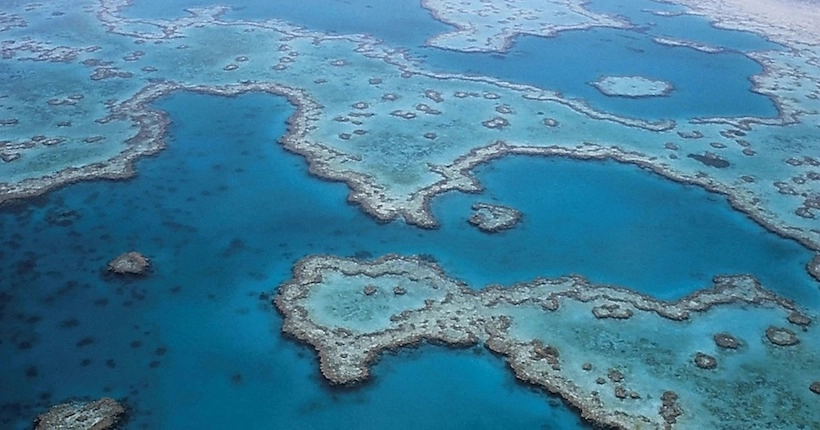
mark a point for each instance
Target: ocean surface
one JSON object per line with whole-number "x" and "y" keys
{"x": 224, "y": 212}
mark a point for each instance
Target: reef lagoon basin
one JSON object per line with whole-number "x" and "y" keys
{"x": 335, "y": 215}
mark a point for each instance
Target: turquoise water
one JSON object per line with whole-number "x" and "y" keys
{"x": 224, "y": 213}
{"x": 618, "y": 224}
{"x": 706, "y": 85}
{"x": 656, "y": 223}
{"x": 406, "y": 24}
{"x": 685, "y": 27}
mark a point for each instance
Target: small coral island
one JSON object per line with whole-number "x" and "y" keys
{"x": 623, "y": 359}
{"x": 100, "y": 414}
{"x": 632, "y": 86}
{"x": 129, "y": 263}
{"x": 491, "y": 218}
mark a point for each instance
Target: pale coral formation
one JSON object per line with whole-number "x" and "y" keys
{"x": 632, "y": 86}
{"x": 484, "y": 26}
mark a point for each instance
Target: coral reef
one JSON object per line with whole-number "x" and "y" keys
{"x": 555, "y": 333}
{"x": 492, "y": 218}
{"x": 102, "y": 414}
{"x": 129, "y": 263}
{"x": 393, "y": 177}
{"x": 483, "y": 26}
{"x": 632, "y": 86}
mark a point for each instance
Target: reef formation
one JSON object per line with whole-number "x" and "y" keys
{"x": 129, "y": 263}
{"x": 632, "y": 86}
{"x": 492, "y": 218}
{"x": 623, "y": 359}
{"x": 399, "y": 135}
{"x": 102, "y": 414}
{"x": 395, "y": 133}
{"x": 484, "y": 26}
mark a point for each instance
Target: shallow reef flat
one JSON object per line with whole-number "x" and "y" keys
{"x": 732, "y": 355}
{"x": 102, "y": 414}
{"x": 668, "y": 41}
{"x": 632, "y": 86}
{"x": 486, "y": 26}
{"x": 493, "y": 218}
{"x": 790, "y": 22}
{"x": 77, "y": 107}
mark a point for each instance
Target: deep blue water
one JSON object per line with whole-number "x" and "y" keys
{"x": 617, "y": 224}
{"x": 706, "y": 85}
{"x": 224, "y": 213}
